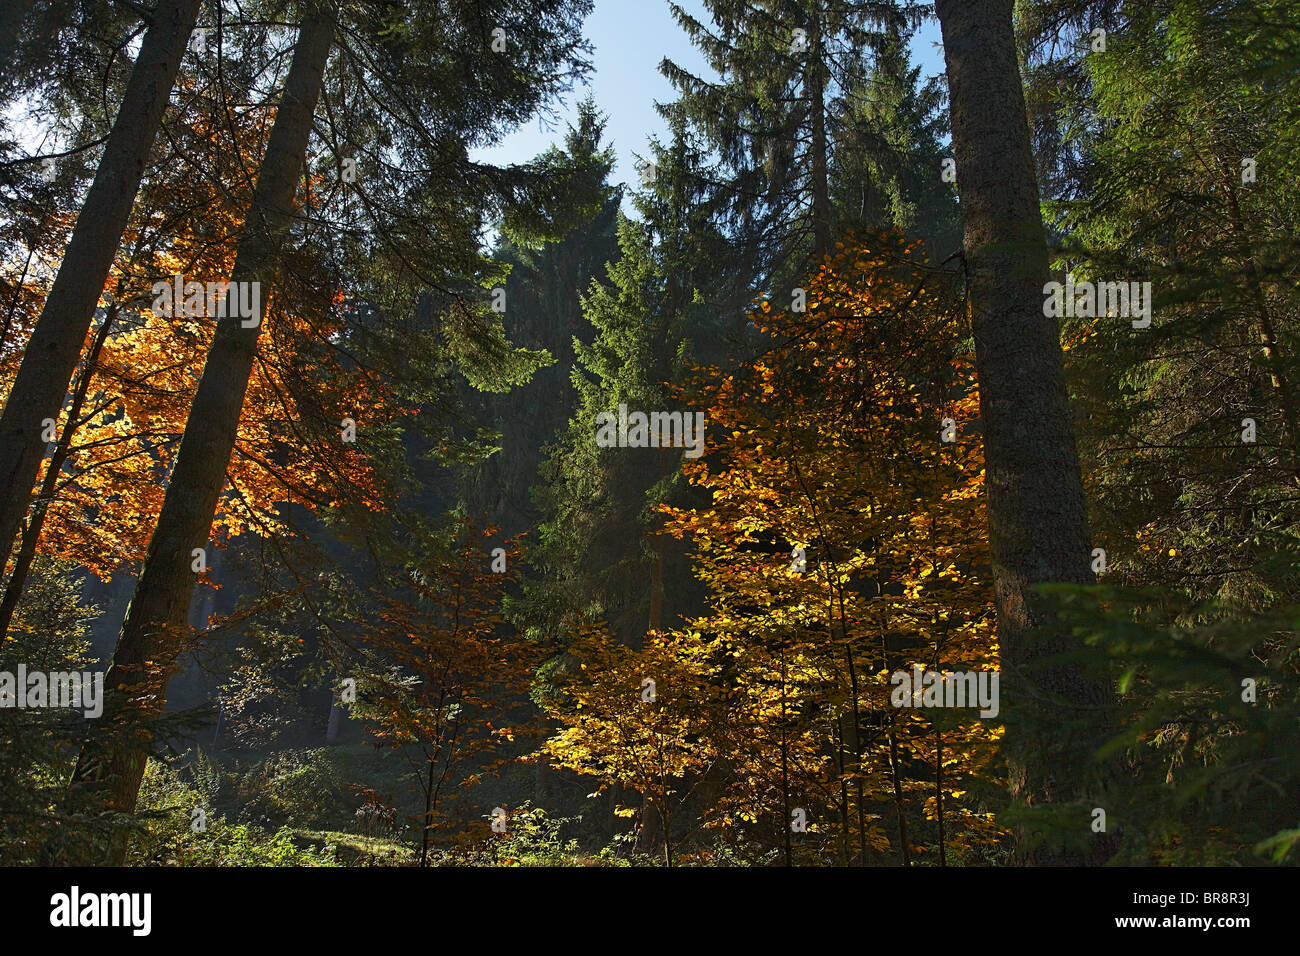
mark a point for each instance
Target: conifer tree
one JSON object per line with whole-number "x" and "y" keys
{"x": 1187, "y": 163}
{"x": 154, "y": 630}
{"x": 889, "y": 133}
{"x": 597, "y": 544}
{"x": 1038, "y": 528}
{"x": 543, "y": 311}
{"x": 784, "y": 69}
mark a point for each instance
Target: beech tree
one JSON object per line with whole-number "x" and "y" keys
{"x": 51, "y": 354}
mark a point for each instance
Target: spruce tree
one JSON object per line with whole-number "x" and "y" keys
{"x": 441, "y": 250}
{"x": 889, "y": 132}
{"x": 543, "y": 311}
{"x": 1038, "y": 528}
{"x": 783, "y": 67}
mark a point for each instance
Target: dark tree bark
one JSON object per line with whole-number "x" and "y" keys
{"x": 338, "y": 717}
{"x": 821, "y": 203}
{"x": 1056, "y": 715}
{"x": 152, "y": 635}
{"x": 49, "y": 484}
{"x": 51, "y": 354}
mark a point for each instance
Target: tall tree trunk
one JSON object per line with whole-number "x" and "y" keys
{"x": 1267, "y": 333}
{"x": 49, "y": 485}
{"x": 668, "y": 840}
{"x": 428, "y": 816}
{"x": 657, "y": 583}
{"x": 895, "y": 776}
{"x": 1056, "y": 715}
{"x": 786, "y": 812}
{"x": 51, "y": 354}
{"x": 841, "y": 770}
{"x": 338, "y": 717}
{"x": 938, "y": 792}
{"x": 888, "y": 721}
{"x": 821, "y": 203}
{"x": 151, "y": 637}
{"x": 651, "y": 819}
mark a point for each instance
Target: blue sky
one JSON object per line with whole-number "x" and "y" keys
{"x": 630, "y": 38}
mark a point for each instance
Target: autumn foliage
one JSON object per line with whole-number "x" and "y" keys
{"x": 843, "y": 541}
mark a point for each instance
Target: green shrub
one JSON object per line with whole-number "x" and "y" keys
{"x": 297, "y": 788}
{"x": 168, "y": 836}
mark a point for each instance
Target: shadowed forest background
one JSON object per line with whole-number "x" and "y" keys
{"x": 367, "y": 590}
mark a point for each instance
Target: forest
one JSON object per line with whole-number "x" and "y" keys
{"x": 896, "y": 468}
